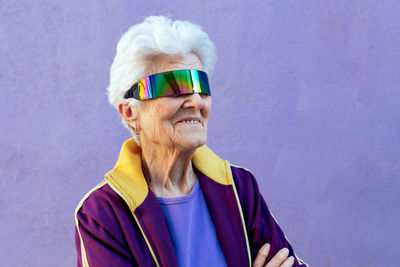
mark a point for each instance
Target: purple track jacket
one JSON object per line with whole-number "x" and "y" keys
{"x": 120, "y": 223}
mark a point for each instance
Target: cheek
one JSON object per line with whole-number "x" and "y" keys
{"x": 150, "y": 118}
{"x": 207, "y": 108}
{"x": 162, "y": 114}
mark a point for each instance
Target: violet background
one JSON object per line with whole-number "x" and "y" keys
{"x": 305, "y": 94}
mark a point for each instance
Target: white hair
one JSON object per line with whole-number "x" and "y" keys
{"x": 138, "y": 47}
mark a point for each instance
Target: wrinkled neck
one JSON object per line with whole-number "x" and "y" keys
{"x": 168, "y": 171}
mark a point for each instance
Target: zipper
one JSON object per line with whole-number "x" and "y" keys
{"x": 137, "y": 221}
{"x": 240, "y": 211}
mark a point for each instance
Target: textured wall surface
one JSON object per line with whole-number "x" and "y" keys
{"x": 306, "y": 94}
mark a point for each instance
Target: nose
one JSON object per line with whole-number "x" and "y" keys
{"x": 194, "y": 101}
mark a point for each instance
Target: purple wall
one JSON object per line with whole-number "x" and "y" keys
{"x": 306, "y": 95}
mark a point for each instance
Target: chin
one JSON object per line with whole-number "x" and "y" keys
{"x": 193, "y": 143}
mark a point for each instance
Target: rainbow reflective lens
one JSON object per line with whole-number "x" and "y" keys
{"x": 171, "y": 83}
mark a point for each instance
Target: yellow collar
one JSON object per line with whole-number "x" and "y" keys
{"x": 127, "y": 178}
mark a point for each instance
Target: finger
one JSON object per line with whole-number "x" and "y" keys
{"x": 279, "y": 258}
{"x": 288, "y": 262}
{"x": 262, "y": 255}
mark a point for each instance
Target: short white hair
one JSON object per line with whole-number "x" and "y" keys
{"x": 138, "y": 47}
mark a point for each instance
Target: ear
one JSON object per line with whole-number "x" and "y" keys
{"x": 129, "y": 114}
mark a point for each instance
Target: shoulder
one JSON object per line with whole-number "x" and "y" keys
{"x": 246, "y": 187}
{"x": 102, "y": 220}
{"x": 101, "y": 204}
{"x": 245, "y": 181}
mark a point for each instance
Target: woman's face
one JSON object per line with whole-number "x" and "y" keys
{"x": 175, "y": 122}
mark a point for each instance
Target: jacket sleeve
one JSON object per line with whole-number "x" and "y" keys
{"x": 99, "y": 239}
{"x": 261, "y": 225}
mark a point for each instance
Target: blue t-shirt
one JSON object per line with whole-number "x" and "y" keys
{"x": 192, "y": 230}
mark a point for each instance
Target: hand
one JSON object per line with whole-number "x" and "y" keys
{"x": 279, "y": 260}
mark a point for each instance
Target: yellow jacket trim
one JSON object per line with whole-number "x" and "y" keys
{"x": 127, "y": 175}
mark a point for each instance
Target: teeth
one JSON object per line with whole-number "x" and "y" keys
{"x": 191, "y": 121}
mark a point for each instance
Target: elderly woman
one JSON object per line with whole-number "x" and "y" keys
{"x": 169, "y": 200}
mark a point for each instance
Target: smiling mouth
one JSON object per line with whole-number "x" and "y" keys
{"x": 190, "y": 121}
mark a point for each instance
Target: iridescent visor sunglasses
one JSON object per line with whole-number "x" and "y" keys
{"x": 170, "y": 83}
